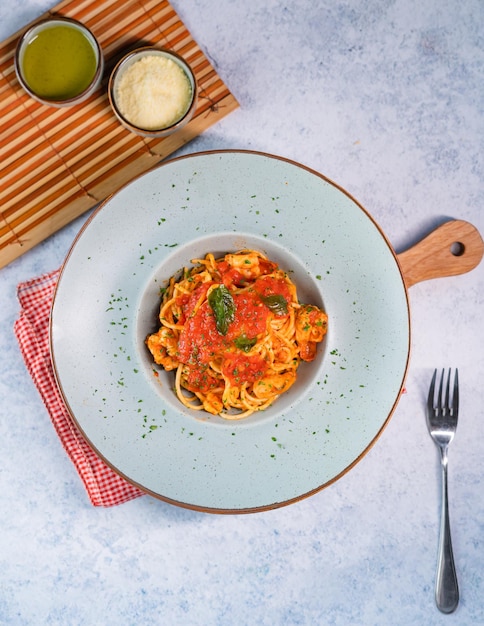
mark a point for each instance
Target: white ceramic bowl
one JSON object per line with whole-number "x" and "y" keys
{"x": 219, "y": 202}
{"x": 116, "y": 77}
{"x": 55, "y": 98}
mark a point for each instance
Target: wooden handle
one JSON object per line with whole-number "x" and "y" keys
{"x": 454, "y": 248}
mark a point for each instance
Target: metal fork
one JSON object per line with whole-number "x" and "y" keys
{"x": 442, "y": 422}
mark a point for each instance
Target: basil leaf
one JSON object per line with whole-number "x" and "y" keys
{"x": 244, "y": 343}
{"x": 276, "y": 303}
{"x": 222, "y": 304}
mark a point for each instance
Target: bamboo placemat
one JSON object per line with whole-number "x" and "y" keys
{"x": 55, "y": 164}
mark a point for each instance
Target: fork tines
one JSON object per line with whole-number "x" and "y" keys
{"x": 450, "y": 405}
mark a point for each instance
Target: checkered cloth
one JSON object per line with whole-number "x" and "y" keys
{"x": 104, "y": 486}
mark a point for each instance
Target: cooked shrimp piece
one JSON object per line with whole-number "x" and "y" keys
{"x": 273, "y": 384}
{"x": 245, "y": 264}
{"x": 212, "y": 403}
{"x": 163, "y": 345}
{"x": 311, "y": 326}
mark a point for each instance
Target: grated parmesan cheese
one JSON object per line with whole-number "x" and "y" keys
{"x": 153, "y": 93}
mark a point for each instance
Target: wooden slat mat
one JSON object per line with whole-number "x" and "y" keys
{"x": 55, "y": 164}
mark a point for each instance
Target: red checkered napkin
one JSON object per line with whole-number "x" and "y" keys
{"x": 104, "y": 486}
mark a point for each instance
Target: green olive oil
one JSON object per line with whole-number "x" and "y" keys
{"x": 59, "y": 63}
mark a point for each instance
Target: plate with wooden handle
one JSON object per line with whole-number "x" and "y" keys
{"x": 108, "y": 297}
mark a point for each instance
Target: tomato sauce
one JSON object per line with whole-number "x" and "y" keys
{"x": 241, "y": 368}
{"x": 250, "y": 316}
{"x": 200, "y": 379}
{"x": 200, "y": 342}
{"x": 271, "y": 286}
{"x": 187, "y": 302}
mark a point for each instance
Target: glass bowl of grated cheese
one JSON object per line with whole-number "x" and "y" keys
{"x": 152, "y": 92}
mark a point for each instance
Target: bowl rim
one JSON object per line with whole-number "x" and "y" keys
{"x": 116, "y": 73}
{"x": 46, "y": 23}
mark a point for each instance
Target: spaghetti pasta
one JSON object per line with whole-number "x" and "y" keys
{"x": 234, "y": 332}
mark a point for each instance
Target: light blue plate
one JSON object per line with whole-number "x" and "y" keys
{"x": 107, "y": 301}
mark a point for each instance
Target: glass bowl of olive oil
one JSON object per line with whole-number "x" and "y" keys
{"x": 59, "y": 62}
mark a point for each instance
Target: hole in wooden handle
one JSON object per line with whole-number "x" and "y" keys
{"x": 457, "y": 248}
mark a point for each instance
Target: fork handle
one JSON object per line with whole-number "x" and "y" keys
{"x": 446, "y": 586}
